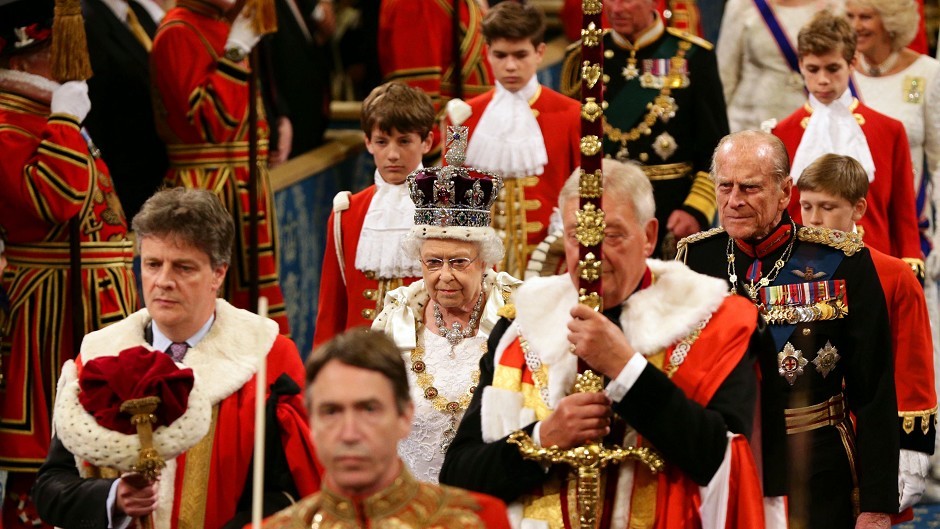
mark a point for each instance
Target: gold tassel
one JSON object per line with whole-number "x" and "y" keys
{"x": 70, "y": 60}
{"x": 265, "y": 16}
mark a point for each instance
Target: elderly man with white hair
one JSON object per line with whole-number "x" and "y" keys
{"x": 677, "y": 354}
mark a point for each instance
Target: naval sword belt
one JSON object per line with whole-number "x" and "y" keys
{"x": 210, "y": 155}
{"x": 667, "y": 171}
{"x": 829, "y": 412}
{"x": 56, "y": 254}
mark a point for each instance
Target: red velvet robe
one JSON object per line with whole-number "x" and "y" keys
{"x": 343, "y": 305}
{"x": 891, "y": 220}
{"x": 201, "y": 104}
{"x": 559, "y": 117}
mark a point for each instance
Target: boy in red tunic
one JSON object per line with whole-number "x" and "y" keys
{"x": 521, "y": 129}
{"x": 363, "y": 258}
{"x": 833, "y": 121}
{"x": 832, "y": 195}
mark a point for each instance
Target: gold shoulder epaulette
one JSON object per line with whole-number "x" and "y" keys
{"x": 682, "y": 246}
{"x": 700, "y": 236}
{"x": 570, "y": 82}
{"x": 849, "y": 243}
{"x": 507, "y": 311}
{"x": 694, "y": 39}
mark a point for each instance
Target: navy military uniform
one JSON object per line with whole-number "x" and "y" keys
{"x": 665, "y": 110}
{"x": 829, "y": 319}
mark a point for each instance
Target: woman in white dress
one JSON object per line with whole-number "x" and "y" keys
{"x": 442, "y": 321}
{"x": 759, "y": 83}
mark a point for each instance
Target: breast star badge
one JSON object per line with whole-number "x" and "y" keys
{"x": 790, "y": 363}
{"x": 826, "y": 359}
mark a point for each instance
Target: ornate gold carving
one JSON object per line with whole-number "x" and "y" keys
{"x": 588, "y": 382}
{"x": 590, "y": 110}
{"x": 591, "y": 36}
{"x": 588, "y": 461}
{"x": 591, "y": 145}
{"x": 590, "y": 227}
{"x": 590, "y": 73}
{"x": 590, "y": 268}
{"x": 591, "y": 299}
{"x": 591, "y": 185}
{"x": 591, "y": 7}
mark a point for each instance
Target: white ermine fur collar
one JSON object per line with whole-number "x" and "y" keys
{"x": 652, "y": 319}
{"x": 225, "y": 359}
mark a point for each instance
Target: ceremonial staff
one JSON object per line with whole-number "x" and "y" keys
{"x": 70, "y": 62}
{"x": 265, "y": 22}
{"x": 589, "y": 460}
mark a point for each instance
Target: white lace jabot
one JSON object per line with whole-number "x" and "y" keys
{"x": 389, "y": 218}
{"x": 832, "y": 129}
{"x": 508, "y": 139}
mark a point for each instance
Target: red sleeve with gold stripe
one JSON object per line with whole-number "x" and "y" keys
{"x": 913, "y": 352}
{"x": 205, "y": 96}
{"x": 54, "y": 166}
{"x": 415, "y": 47}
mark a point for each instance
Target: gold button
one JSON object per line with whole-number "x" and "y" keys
{"x": 608, "y": 54}
{"x": 644, "y": 156}
{"x": 806, "y": 331}
{"x": 369, "y": 293}
{"x": 368, "y": 314}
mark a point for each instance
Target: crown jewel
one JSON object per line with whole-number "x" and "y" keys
{"x": 454, "y": 195}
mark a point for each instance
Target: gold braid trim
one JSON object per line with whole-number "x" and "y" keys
{"x": 849, "y": 243}
{"x": 682, "y": 246}
{"x": 927, "y": 417}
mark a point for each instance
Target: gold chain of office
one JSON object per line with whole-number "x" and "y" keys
{"x": 661, "y": 106}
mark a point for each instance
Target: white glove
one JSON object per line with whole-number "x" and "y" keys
{"x": 458, "y": 111}
{"x": 912, "y": 477}
{"x": 71, "y": 98}
{"x": 242, "y": 35}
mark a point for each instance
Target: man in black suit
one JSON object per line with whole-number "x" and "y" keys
{"x": 121, "y": 120}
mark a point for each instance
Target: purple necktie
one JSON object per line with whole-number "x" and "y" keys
{"x": 178, "y": 350}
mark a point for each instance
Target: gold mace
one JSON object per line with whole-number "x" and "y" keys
{"x": 587, "y": 460}
{"x": 149, "y": 462}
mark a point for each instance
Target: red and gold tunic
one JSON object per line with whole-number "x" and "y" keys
{"x": 406, "y": 502}
{"x": 415, "y": 47}
{"x": 559, "y": 118}
{"x": 49, "y": 176}
{"x": 913, "y": 352}
{"x": 348, "y": 296}
{"x": 201, "y": 105}
{"x": 891, "y": 220}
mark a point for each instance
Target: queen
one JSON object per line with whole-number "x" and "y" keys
{"x": 442, "y": 321}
